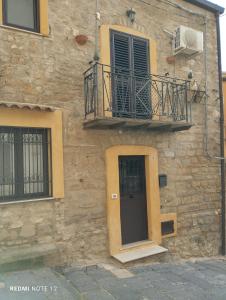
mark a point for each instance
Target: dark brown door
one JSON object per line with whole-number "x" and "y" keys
{"x": 133, "y": 203}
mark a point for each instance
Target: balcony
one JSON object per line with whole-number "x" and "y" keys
{"x": 116, "y": 98}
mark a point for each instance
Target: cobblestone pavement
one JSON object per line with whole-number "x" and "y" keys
{"x": 203, "y": 279}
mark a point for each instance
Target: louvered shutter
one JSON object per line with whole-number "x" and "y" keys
{"x": 130, "y": 80}
{"x": 141, "y": 78}
{"x": 121, "y": 81}
{"x": 140, "y": 57}
{"x": 120, "y": 52}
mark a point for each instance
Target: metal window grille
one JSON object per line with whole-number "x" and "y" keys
{"x": 24, "y": 163}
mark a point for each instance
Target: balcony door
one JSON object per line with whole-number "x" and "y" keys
{"x": 130, "y": 76}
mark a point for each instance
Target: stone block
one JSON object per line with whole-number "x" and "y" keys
{"x": 27, "y": 231}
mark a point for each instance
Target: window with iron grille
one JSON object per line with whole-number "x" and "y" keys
{"x": 24, "y": 163}
{"x": 23, "y": 14}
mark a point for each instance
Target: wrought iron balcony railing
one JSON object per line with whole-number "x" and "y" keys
{"x": 118, "y": 93}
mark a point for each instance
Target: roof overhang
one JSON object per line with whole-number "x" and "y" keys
{"x": 29, "y": 106}
{"x": 207, "y": 5}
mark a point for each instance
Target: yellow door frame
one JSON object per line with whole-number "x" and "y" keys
{"x": 113, "y": 193}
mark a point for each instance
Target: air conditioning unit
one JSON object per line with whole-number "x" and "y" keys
{"x": 188, "y": 41}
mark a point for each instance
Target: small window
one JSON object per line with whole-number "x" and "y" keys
{"x": 23, "y": 14}
{"x": 24, "y": 163}
{"x": 167, "y": 227}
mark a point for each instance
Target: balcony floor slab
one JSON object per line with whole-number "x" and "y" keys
{"x": 136, "y": 124}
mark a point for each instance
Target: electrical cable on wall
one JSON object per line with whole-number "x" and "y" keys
{"x": 97, "y": 19}
{"x": 206, "y": 136}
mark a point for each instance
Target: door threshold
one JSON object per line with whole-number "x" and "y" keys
{"x": 137, "y": 244}
{"x": 138, "y": 253}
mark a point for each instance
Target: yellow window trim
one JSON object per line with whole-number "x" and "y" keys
{"x": 43, "y": 15}
{"x": 105, "y": 45}
{"x": 152, "y": 190}
{"x": 169, "y": 217}
{"x": 44, "y": 25}
{"x": 37, "y": 119}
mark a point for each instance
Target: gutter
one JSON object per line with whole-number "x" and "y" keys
{"x": 207, "y": 5}
{"x": 221, "y": 134}
{"x": 218, "y": 10}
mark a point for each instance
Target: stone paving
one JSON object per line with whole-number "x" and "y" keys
{"x": 203, "y": 279}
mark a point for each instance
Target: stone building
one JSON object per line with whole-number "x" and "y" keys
{"x": 113, "y": 158}
{"x": 224, "y": 85}
{"x": 224, "y": 95}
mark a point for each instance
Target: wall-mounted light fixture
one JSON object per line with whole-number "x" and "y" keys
{"x": 131, "y": 14}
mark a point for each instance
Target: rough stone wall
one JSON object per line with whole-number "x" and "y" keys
{"x": 24, "y": 225}
{"x": 48, "y": 70}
